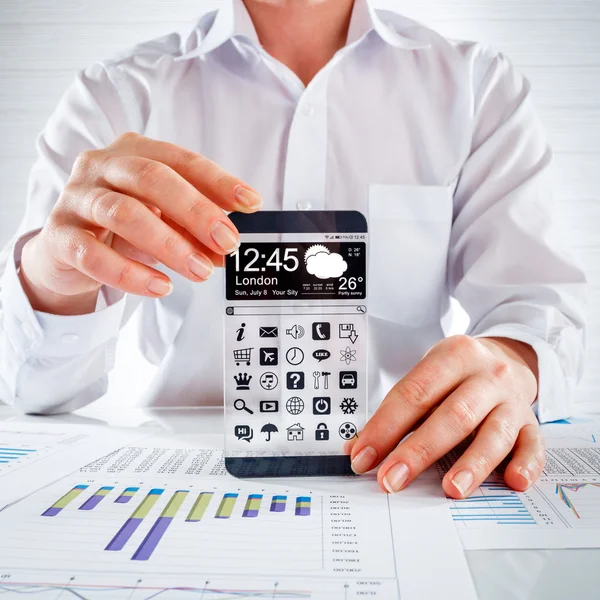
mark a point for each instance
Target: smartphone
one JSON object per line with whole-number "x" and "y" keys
{"x": 295, "y": 329}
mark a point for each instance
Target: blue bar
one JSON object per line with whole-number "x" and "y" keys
{"x": 498, "y": 521}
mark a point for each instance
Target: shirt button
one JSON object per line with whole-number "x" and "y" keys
{"x": 69, "y": 338}
{"x": 303, "y": 205}
{"x": 27, "y": 331}
{"x": 308, "y": 109}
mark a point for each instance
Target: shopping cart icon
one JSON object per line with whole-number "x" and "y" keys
{"x": 242, "y": 355}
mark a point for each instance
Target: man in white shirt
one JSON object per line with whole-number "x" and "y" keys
{"x": 323, "y": 104}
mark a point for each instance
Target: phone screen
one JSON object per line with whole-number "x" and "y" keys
{"x": 295, "y": 342}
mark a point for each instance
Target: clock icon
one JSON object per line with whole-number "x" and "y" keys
{"x": 294, "y": 356}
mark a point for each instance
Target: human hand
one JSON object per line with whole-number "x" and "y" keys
{"x": 462, "y": 385}
{"x": 126, "y": 207}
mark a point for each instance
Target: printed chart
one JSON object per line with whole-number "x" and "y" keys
{"x": 166, "y": 522}
{"x": 20, "y": 448}
{"x": 494, "y": 504}
{"x": 32, "y": 454}
{"x": 561, "y": 510}
{"x": 150, "y": 588}
{"x": 275, "y": 511}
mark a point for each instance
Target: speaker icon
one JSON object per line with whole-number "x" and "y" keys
{"x": 297, "y": 331}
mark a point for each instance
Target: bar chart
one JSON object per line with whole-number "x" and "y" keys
{"x": 144, "y": 523}
{"x": 494, "y": 504}
{"x": 8, "y": 454}
{"x": 155, "y": 511}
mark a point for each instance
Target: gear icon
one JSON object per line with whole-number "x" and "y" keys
{"x": 348, "y": 406}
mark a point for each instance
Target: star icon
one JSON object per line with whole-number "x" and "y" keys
{"x": 348, "y": 355}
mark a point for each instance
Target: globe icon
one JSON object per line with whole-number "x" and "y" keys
{"x": 295, "y": 405}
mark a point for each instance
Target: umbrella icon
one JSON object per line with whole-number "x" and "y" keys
{"x": 269, "y": 428}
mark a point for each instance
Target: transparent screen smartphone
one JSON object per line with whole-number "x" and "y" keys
{"x": 295, "y": 343}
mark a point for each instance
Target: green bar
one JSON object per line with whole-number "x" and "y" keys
{"x": 200, "y": 506}
{"x": 226, "y": 507}
{"x": 174, "y": 503}
{"x": 69, "y": 496}
{"x": 147, "y": 503}
{"x": 253, "y": 504}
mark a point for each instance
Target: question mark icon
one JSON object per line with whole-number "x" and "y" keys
{"x": 295, "y": 380}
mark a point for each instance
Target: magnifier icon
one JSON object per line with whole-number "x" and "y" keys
{"x": 240, "y": 404}
{"x": 361, "y": 309}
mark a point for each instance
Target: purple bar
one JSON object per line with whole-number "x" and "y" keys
{"x": 51, "y": 512}
{"x": 250, "y": 513}
{"x": 147, "y": 547}
{"x": 126, "y": 495}
{"x": 91, "y": 502}
{"x": 302, "y": 511}
{"x": 124, "y": 534}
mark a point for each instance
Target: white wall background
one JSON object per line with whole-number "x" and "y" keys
{"x": 556, "y": 43}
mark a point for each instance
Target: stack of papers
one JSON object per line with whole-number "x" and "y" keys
{"x": 105, "y": 513}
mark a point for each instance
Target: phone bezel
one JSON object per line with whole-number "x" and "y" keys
{"x": 330, "y": 221}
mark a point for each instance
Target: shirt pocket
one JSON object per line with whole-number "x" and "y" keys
{"x": 409, "y": 232}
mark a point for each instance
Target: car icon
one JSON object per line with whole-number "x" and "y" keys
{"x": 348, "y": 379}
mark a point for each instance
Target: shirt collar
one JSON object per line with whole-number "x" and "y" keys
{"x": 233, "y": 21}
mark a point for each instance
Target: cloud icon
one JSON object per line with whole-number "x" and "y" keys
{"x": 324, "y": 264}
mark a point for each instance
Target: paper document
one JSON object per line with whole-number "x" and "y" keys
{"x": 34, "y": 454}
{"x": 561, "y": 510}
{"x": 164, "y": 519}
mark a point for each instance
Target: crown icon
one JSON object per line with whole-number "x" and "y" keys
{"x": 243, "y": 381}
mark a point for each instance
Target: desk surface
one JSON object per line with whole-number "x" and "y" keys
{"x": 498, "y": 574}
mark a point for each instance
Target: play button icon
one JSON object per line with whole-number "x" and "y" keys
{"x": 268, "y": 406}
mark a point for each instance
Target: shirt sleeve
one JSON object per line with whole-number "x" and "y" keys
{"x": 52, "y": 363}
{"x": 507, "y": 267}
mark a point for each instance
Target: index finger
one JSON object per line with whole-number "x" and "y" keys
{"x": 438, "y": 374}
{"x": 224, "y": 189}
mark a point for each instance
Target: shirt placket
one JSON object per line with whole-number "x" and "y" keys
{"x": 305, "y": 173}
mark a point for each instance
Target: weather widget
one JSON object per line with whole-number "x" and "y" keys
{"x": 293, "y": 271}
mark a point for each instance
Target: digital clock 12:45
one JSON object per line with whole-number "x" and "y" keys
{"x": 279, "y": 259}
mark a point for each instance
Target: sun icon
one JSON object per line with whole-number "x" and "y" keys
{"x": 313, "y": 250}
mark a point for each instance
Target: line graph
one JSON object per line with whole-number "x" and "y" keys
{"x": 142, "y": 592}
{"x": 562, "y": 488}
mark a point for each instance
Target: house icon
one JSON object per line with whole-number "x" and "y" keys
{"x": 295, "y": 433}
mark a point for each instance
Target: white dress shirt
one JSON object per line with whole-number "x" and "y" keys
{"x": 435, "y": 140}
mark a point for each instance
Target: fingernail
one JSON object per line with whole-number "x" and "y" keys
{"x": 395, "y": 478}
{"x": 159, "y": 286}
{"x": 200, "y": 266}
{"x": 249, "y": 198}
{"x": 364, "y": 460}
{"x": 224, "y": 238}
{"x": 463, "y": 481}
{"x": 526, "y": 473}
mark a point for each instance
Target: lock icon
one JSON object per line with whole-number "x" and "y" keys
{"x": 321, "y": 432}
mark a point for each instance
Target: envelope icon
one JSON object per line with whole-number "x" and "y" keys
{"x": 268, "y": 332}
